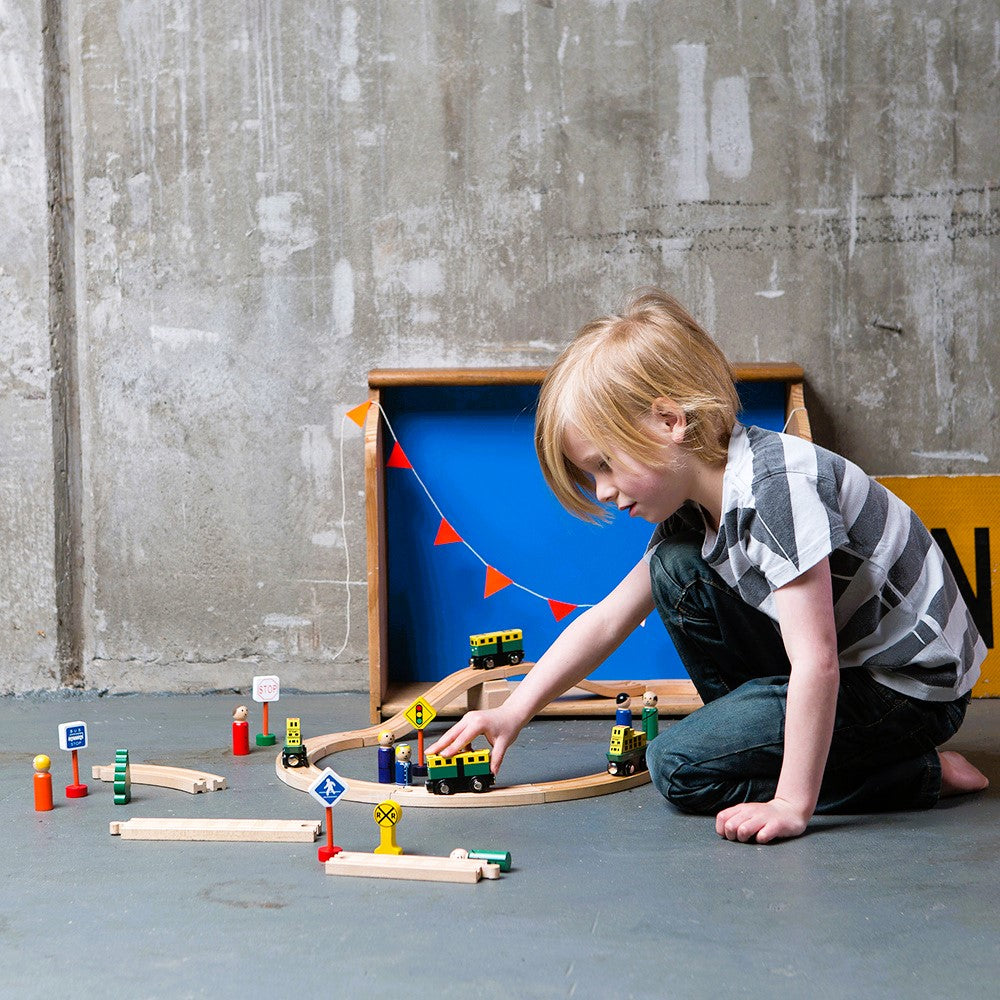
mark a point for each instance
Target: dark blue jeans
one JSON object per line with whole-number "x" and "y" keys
{"x": 882, "y": 755}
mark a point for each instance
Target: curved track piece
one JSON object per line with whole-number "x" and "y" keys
{"x": 320, "y": 747}
{"x": 180, "y": 778}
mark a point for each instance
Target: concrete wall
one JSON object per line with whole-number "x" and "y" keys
{"x": 271, "y": 198}
{"x": 28, "y": 617}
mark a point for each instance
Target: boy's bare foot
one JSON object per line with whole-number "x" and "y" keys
{"x": 958, "y": 776}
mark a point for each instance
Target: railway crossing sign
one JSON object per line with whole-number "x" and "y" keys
{"x": 420, "y": 714}
{"x": 387, "y": 815}
{"x": 328, "y": 788}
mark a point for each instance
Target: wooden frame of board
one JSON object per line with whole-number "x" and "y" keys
{"x": 387, "y": 698}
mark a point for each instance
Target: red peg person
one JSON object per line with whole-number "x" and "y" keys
{"x": 241, "y": 732}
{"x": 43, "y": 783}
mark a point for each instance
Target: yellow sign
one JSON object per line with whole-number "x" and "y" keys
{"x": 420, "y": 714}
{"x": 963, "y": 515}
{"x": 388, "y": 813}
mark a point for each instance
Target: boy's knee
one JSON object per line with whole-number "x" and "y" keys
{"x": 683, "y": 780}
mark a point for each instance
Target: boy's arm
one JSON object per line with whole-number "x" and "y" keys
{"x": 580, "y": 648}
{"x": 805, "y": 612}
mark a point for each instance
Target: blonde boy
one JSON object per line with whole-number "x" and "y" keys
{"x": 814, "y": 613}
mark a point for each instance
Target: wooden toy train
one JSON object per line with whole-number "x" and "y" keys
{"x": 468, "y": 771}
{"x": 496, "y": 649}
{"x": 627, "y": 750}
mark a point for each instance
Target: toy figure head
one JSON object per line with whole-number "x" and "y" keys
{"x": 240, "y": 714}
{"x": 649, "y": 699}
{"x": 385, "y": 738}
{"x": 403, "y": 752}
{"x": 623, "y": 700}
{"x": 42, "y": 763}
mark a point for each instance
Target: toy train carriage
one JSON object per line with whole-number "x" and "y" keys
{"x": 496, "y": 649}
{"x": 293, "y": 753}
{"x": 627, "y": 751}
{"x": 468, "y": 771}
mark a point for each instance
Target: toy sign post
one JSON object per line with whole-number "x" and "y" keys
{"x": 387, "y": 815}
{"x": 420, "y": 715}
{"x": 265, "y": 690}
{"x": 73, "y": 737}
{"x": 327, "y": 790}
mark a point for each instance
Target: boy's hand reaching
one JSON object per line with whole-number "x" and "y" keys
{"x": 495, "y": 724}
{"x": 763, "y": 821}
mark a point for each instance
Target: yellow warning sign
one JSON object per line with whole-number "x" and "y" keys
{"x": 963, "y": 515}
{"x": 388, "y": 813}
{"x": 420, "y": 714}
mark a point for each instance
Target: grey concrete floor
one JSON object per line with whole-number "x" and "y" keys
{"x": 619, "y": 896}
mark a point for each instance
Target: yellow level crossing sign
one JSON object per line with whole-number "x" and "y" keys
{"x": 387, "y": 815}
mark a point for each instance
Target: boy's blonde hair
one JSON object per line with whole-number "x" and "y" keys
{"x": 605, "y": 382}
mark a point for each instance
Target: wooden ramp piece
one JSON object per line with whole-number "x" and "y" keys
{"x": 411, "y": 866}
{"x": 180, "y": 778}
{"x": 256, "y": 830}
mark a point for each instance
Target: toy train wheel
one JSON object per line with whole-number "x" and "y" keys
{"x": 515, "y": 658}
{"x": 488, "y": 663}
{"x": 443, "y": 788}
{"x": 477, "y": 784}
{"x": 630, "y": 767}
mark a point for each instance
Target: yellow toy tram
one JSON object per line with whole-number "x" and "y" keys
{"x": 466, "y": 771}
{"x": 293, "y": 753}
{"x": 496, "y": 649}
{"x": 627, "y": 750}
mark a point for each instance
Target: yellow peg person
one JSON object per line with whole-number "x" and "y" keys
{"x": 387, "y": 815}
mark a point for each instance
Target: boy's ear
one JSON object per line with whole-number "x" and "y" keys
{"x": 670, "y": 417}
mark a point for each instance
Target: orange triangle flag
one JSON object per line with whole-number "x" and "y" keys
{"x": 495, "y": 580}
{"x": 359, "y": 413}
{"x": 398, "y": 459}
{"x": 560, "y": 610}
{"x": 446, "y": 534}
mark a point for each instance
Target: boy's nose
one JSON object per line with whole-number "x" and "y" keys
{"x": 605, "y": 492}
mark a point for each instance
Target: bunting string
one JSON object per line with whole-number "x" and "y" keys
{"x": 446, "y": 534}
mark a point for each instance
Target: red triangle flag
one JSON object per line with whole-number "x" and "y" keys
{"x": 398, "y": 459}
{"x": 495, "y": 580}
{"x": 358, "y": 413}
{"x": 446, "y": 534}
{"x": 560, "y": 610}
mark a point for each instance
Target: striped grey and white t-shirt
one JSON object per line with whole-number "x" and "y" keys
{"x": 786, "y": 504}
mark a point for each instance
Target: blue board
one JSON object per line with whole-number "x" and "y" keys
{"x": 473, "y": 447}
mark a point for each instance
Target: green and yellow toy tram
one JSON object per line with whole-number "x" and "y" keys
{"x": 293, "y": 753}
{"x": 468, "y": 771}
{"x": 627, "y": 750}
{"x": 496, "y": 649}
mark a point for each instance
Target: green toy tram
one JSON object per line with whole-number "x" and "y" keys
{"x": 293, "y": 753}
{"x": 468, "y": 771}
{"x": 496, "y": 649}
{"x": 627, "y": 750}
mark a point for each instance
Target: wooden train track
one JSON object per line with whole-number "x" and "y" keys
{"x": 180, "y": 778}
{"x": 320, "y": 747}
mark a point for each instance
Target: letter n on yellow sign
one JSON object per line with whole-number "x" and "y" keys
{"x": 963, "y": 515}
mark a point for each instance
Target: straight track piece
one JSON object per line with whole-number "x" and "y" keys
{"x": 246, "y": 830}
{"x": 411, "y": 866}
